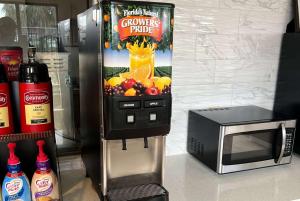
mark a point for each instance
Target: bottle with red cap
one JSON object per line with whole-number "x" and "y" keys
{"x": 6, "y": 119}
{"x": 15, "y": 185}
{"x": 44, "y": 184}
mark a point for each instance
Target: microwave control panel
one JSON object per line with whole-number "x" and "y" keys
{"x": 289, "y": 141}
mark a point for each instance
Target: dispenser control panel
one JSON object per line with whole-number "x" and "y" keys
{"x": 137, "y": 117}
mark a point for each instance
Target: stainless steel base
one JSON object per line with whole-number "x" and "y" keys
{"x": 136, "y": 165}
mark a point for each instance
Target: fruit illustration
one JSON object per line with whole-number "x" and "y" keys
{"x": 167, "y": 81}
{"x": 108, "y": 91}
{"x": 137, "y": 54}
{"x": 127, "y": 75}
{"x": 115, "y": 81}
{"x": 153, "y": 91}
{"x": 148, "y": 83}
{"x": 105, "y": 83}
{"x": 140, "y": 89}
{"x": 130, "y": 92}
{"x": 116, "y": 28}
{"x": 128, "y": 45}
{"x": 106, "y": 18}
{"x": 159, "y": 83}
{"x": 107, "y": 45}
{"x": 166, "y": 90}
{"x": 118, "y": 90}
{"x": 119, "y": 46}
{"x": 162, "y": 82}
{"x": 127, "y": 84}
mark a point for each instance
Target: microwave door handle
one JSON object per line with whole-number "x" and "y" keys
{"x": 283, "y": 133}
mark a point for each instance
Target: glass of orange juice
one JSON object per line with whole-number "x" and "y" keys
{"x": 141, "y": 61}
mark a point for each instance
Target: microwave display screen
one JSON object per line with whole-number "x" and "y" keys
{"x": 249, "y": 147}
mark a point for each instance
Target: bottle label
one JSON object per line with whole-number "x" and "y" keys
{"x": 44, "y": 186}
{"x": 43, "y": 166}
{"x": 14, "y": 169}
{"x": 14, "y": 189}
{"x": 37, "y": 108}
{"x": 4, "y": 115}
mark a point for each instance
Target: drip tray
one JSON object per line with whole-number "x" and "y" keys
{"x": 147, "y": 192}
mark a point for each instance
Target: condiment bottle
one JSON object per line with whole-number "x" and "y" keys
{"x": 6, "y": 118}
{"x": 36, "y": 104}
{"x": 44, "y": 184}
{"x": 15, "y": 185}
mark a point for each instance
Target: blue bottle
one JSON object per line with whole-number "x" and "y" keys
{"x": 15, "y": 186}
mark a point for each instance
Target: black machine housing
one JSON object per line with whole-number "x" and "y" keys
{"x": 106, "y": 117}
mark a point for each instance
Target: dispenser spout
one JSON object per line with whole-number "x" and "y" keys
{"x": 124, "y": 145}
{"x": 41, "y": 156}
{"x": 13, "y": 159}
{"x": 146, "y": 143}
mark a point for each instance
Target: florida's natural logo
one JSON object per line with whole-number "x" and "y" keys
{"x": 140, "y": 25}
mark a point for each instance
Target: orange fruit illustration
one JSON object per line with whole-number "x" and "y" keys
{"x": 154, "y": 45}
{"x": 130, "y": 92}
{"x": 148, "y": 83}
{"x": 107, "y": 45}
{"x": 172, "y": 22}
{"x": 142, "y": 73}
{"x": 106, "y": 18}
{"x": 128, "y": 45}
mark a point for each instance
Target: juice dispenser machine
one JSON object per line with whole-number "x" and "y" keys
{"x": 125, "y": 61}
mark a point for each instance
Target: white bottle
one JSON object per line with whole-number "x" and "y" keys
{"x": 44, "y": 184}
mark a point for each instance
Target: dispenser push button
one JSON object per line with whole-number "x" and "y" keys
{"x": 153, "y": 117}
{"x": 130, "y": 118}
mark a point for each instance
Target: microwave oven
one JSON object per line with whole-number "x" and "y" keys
{"x": 240, "y": 138}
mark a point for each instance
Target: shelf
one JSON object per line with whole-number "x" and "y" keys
{"x": 26, "y": 136}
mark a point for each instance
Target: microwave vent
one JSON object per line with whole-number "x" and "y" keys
{"x": 195, "y": 146}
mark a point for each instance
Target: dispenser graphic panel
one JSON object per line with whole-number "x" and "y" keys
{"x": 138, "y": 47}
{"x": 11, "y": 58}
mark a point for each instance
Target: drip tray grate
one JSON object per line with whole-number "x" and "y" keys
{"x": 147, "y": 192}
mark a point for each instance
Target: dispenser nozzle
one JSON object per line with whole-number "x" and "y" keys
{"x": 146, "y": 143}
{"x": 13, "y": 159}
{"x": 124, "y": 145}
{"x": 41, "y": 156}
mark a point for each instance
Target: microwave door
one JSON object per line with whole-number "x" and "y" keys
{"x": 251, "y": 147}
{"x": 280, "y": 144}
